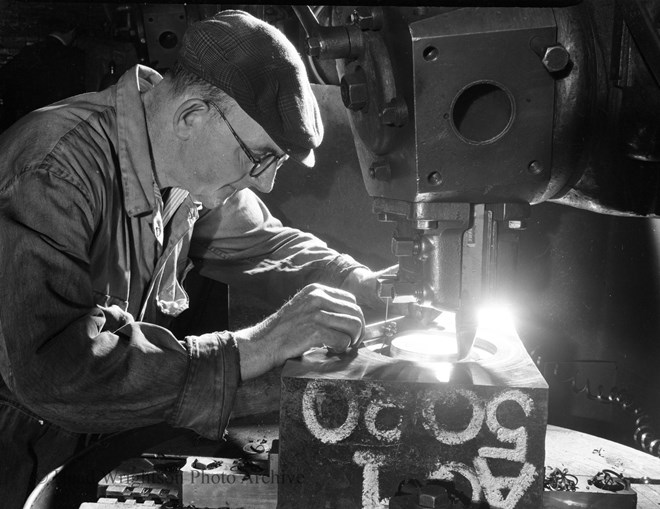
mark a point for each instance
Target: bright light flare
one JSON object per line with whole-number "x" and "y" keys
{"x": 425, "y": 345}
{"x": 442, "y": 370}
{"x": 433, "y": 349}
{"x": 497, "y": 318}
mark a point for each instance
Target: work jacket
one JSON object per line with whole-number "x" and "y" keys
{"x": 81, "y": 233}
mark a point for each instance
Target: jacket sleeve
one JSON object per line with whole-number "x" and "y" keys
{"x": 68, "y": 360}
{"x": 241, "y": 243}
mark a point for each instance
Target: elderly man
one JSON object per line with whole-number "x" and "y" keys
{"x": 106, "y": 199}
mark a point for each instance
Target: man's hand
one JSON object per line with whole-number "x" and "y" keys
{"x": 317, "y": 316}
{"x": 363, "y": 283}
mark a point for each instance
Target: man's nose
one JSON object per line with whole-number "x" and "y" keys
{"x": 264, "y": 183}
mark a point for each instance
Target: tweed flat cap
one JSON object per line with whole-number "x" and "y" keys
{"x": 256, "y": 65}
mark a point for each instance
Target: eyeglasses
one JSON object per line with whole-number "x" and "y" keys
{"x": 261, "y": 164}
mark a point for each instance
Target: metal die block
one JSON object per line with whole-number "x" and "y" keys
{"x": 353, "y": 429}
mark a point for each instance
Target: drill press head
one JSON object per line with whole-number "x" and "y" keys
{"x": 452, "y": 114}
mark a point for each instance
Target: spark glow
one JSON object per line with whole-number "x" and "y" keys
{"x": 497, "y": 318}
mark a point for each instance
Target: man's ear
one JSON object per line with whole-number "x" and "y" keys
{"x": 190, "y": 115}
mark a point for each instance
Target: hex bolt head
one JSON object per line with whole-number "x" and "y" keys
{"x": 556, "y": 58}
{"x": 395, "y": 113}
{"x": 354, "y": 93}
{"x": 434, "y": 496}
{"x": 313, "y": 46}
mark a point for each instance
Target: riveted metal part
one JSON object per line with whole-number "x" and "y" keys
{"x": 395, "y": 113}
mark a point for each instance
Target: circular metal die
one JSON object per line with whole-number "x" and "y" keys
{"x": 426, "y": 346}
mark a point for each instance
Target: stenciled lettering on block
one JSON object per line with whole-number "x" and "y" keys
{"x": 310, "y": 414}
{"x": 482, "y": 419}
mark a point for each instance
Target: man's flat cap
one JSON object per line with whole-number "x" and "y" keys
{"x": 256, "y": 65}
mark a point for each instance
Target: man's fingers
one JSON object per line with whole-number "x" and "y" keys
{"x": 389, "y": 271}
{"x": 340, "y": 332}
{"x": 322, "y": 316}
{"x": 340, "y": 343}
{"x": 351, "y": 325}
{"x": 331, "y": 300}
{"x": 339, "y": 311}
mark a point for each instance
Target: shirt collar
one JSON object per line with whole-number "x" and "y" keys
{"x": 133, "y": 141}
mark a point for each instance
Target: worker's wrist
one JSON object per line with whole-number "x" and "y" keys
{"x": 257, "y": 352}
{"x": 207, "y": 396}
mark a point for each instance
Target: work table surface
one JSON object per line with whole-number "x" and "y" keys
{"x": 578, "y": 453}
{"x": 583, "y": 454}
